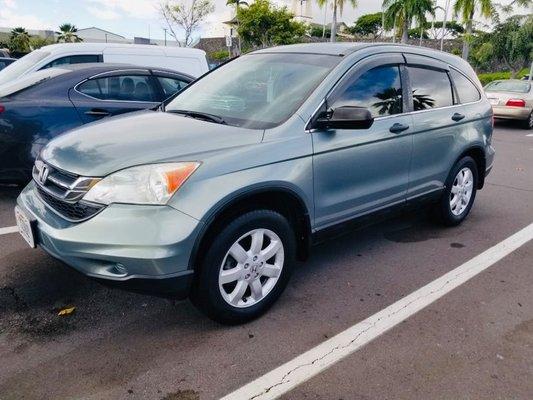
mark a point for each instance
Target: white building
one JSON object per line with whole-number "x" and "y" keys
{"x": 97, "y": 35}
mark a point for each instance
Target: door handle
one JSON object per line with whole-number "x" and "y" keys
{"x": 457, "y": 117}
{"x": 398, "y": 128}
{"x": 97, "y": 112}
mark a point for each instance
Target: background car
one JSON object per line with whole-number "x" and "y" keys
{"x": 5, "y": 61}
{"x": 42, "y": 105}
{"x": 189, "y": 61}
{"x": 512, "y": 99}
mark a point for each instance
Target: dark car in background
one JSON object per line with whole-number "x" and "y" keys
{"x": 44, "y": 104}
{"x": 5, "y": 61}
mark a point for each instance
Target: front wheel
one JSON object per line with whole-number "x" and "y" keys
{"x": 246, "y": 268}
{"x": 460, "y": 192}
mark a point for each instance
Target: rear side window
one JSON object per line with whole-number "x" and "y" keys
{"x": 431, "y": 88}
{"x": 79, "y": 59}
{"x": 171, "y": 86}
{"x": 379, "y": 90}
{"x": 120, "y": 88}
{"x": 466, "y": 90}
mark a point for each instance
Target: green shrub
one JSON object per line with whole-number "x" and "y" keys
{"x": 494, "y": 76}
{"x": 219, "y": 55}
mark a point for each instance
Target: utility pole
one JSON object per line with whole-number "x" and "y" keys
{"x": 165, "y": 29}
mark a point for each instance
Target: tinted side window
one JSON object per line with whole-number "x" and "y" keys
{"x": 467, "y": 91}
{"x": 431, "y": 88}
{"x": 171, "y": 85}
{"x": 79, "y": 59}
{"x": 122, "y": 88}
{"x": 379, "y": 90}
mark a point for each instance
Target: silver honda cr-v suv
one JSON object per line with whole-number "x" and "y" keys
{"x": 216, "y": 194}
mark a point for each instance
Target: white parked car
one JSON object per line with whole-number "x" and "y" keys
{"x": 185, "y": 60}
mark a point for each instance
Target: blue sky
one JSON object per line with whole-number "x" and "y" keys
{"x": 132, "y": 17}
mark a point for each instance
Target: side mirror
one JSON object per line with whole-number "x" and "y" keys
{"x": 345, "y": 117}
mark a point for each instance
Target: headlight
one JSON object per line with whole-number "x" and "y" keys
{"x": 145, "y": 184}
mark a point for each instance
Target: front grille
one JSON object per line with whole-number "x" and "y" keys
{"x": 72, "y": 211}
{"x": 62, "y": 191}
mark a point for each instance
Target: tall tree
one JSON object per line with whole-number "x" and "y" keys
{"x": 67, "y": 34}
{"x": 185, "y": 15}
{"x": 337, "y": 6}
{"x": 19, "y": 40}
{"x": 263, "y": 24}
{"x": 512, "y": 42}
{"x": 368, "y": 25}
{"x": 403, "y": 12}
{"x": 466, "y": 9}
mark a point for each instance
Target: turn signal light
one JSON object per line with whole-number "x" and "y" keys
{"x": 515, "y": 103}
{"x": 2, "y": 108}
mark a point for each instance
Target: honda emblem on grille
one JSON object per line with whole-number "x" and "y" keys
{"x": 43, "y": 174}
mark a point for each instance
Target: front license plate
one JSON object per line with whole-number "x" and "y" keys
{"x": 24, "y": 225}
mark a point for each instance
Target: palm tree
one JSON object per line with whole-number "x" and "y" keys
{"x": 67, "y": 34}
{"x": 337, "y": 5}
{"x": 19, "y": 40}
{"x": 404, "y": 12}
{"x": 466, "y": 9}
{"x": 237, "y": 4}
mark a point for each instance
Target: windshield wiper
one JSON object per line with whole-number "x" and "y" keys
{"x": 200, "y": 115}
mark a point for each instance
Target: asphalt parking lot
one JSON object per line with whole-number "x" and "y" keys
{"x": 476, "y": 342}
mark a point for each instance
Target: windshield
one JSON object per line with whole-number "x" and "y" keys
{"x": 16, "y": 69}
{"x": 256, "y": 91}
{"x": 30, "y": 80}
{"x": 508, "y": 86}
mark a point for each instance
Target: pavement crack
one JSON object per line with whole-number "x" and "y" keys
{"x": 284, "y": 378}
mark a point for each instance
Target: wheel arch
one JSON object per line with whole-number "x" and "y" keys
{"x": 478, "y": 154}
{"x": 279, "y": 198}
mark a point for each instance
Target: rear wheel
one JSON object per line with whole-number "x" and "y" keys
{"x": 246, "y": 268}
{"x": 460, "y": 192}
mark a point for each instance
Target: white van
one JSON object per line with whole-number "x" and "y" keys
{"x": 186, "y": 60}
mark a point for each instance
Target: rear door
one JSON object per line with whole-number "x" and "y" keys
{"x": 115, "y": 93}
{"x": 437, "y": 124}
{"x": 357, "y": 171}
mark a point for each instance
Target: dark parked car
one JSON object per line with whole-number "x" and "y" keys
{"x": 44, "y": 104}
{"x": 5, "y": 61}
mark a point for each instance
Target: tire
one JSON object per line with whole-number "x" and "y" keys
{"x": 223, "y": 302}
{"x": 528, "y": 123}
{"x": 448, "y": 211}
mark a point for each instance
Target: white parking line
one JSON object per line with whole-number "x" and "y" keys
{"x": 529, "y": 135}
{"x": 9, "y": 229}
{"x": 286, "y": 377}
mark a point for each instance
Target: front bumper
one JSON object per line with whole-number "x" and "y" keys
{"x": 145, "y": 248}
{"x": 504, "y": 112}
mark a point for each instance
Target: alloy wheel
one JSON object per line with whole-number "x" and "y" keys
{"x": 251, "y": 268}
{"x": 461, "y": 191}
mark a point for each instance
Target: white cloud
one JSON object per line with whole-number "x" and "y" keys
{"x": 106, "y": 13}
{"x": 125, "y": 8}
{"x": 10, "y": 16}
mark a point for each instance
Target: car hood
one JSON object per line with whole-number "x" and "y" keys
{"x": 101, "y": 148}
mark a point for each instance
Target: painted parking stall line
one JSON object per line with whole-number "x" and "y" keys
{"x": 9, "y": 229}
{"x": 300, "y": 369}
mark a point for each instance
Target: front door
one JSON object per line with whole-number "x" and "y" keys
{"x": 357, "y": 171}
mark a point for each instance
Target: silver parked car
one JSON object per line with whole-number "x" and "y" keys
{"x": 217, "y": 194}
{"x": 512, "y": 99}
